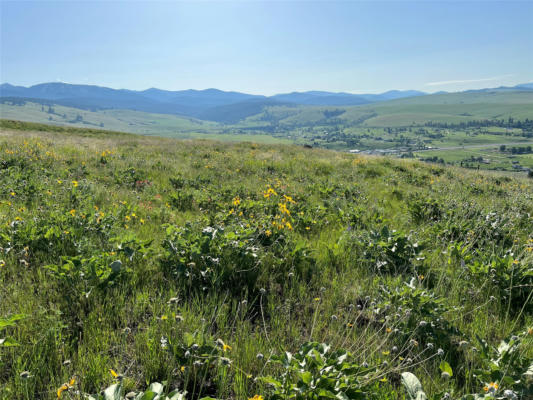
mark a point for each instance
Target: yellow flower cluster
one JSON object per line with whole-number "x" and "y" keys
{"x": 65, "y": 386}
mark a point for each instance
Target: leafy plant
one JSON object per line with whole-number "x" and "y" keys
{"x": 317, "y": 372}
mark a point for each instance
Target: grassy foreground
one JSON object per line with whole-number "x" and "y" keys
{"x": 257, "y": 271}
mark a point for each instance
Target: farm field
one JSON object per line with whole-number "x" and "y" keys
{"x": 482, "y": 156}
{"x": 148, "y": 266}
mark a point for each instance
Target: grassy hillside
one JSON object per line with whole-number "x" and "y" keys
{"x": 450, "y": 108}
{"x": 118, "y": 120}
{"x": 257, "y": 271}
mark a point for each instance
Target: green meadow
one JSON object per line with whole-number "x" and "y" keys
{"x": 152, "y": 268}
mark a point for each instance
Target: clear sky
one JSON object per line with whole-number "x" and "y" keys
{"x": 268, "y": 47}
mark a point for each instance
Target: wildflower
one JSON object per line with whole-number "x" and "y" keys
{"x": 72, "y": 212}
{"x": 61, "y": 390}
{"x": 182, "y": 369}
{"x": 75, "y": 183}
{"x": 288, "y": 225}
{"x": 164, "y": 317}
{"x": 127, "y": 218}
{"x": 491, "y": 387}
{"x": 440, "y": 352}
{"x": 141, "y": 221}
{"x": 262, "y": 291}
{"x": 225, "y": 361}
{"x": 25, "y": 375}
{"x": 509, "y": 394}
{"x": 115, "y": 375}
{"x": 268, "y": 232}
{"x": 269, "y": 192}
{"x": 422, "y": 324}
{"x": 236, "y": 201}
{"x": 13, "y": 194}
{"x": 256, "y": 397}
{"x": 65, "y": 386}
{"x": 260, "y": 356}
{"x": 316, "y": 299}
{"x": 389, "y": 330}
{"x": 283, "y": 208}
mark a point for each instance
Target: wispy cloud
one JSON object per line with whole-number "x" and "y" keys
{"x": 443, "y": 83}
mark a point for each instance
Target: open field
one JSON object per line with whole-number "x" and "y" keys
{"x": 245, "y": 270}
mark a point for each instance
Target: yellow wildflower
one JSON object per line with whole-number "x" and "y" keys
{"x": 72, "y": 212}
{"x": 61, "y": 390}
{"x": 113, "y": 373}
{"x": 288, "y": 199}
{"x": 268, "y": 232}
{"x": 75, "y": 183}
{"x": 269, "y": 192}
{"x": 226, "y": 347}
{"x": 236, "y": 201}
{"x": 491, "y": 387}
{"x": 256, "y": 397}
{"x": 283, "y": 208}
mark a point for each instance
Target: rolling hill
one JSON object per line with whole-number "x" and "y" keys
{"x": 205, "y": 104}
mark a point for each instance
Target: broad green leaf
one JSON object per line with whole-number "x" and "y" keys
{"x": 413, "y": 386}
{"x": 176, "y": 395}
{"x": 445, "y": 367}
{"x": 113, "y": 392}
{"x": 8, "y": 342}
{"x": 5, "y": 322}
{"x": 156, "y": 387}
{"x": 306, "y": 377}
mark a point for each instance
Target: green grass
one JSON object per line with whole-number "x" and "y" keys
{"x": 262, "y": 246}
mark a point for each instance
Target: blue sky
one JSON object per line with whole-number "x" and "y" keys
{"x": 268, "y": 47}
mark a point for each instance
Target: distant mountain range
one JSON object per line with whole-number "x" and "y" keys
{"x": 208, "y": 104}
